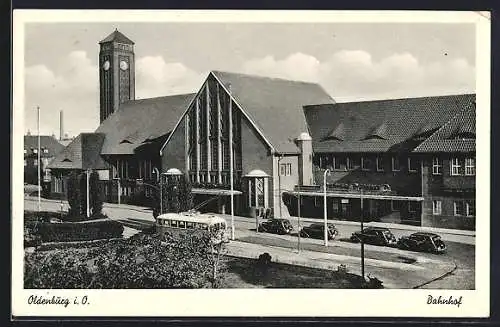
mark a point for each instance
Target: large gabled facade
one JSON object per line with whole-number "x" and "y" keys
{"x": 267, "y": 123}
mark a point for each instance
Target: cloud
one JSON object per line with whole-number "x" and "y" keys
{"x": 155, "y": 77}
{"x": 297, "y": 66}
{"x": 355, "y": 75}
{"x": 73, "y": 86}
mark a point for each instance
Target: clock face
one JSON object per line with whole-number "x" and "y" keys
{"x": 105, "y": 66}
{"x": 123, "y": 65}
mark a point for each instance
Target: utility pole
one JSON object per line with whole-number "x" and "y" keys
{"x": 88, "y": 193}
{"x": 325, "y": 211}
{"x": 231, "y": 163}
{"x": 39, "y": 164}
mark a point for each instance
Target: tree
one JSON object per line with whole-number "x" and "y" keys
{"x": 74, "y": 200}
{"x": 185, "y": 194}
{"x": 176, "y": 196}
{"x": 82, "y": 180}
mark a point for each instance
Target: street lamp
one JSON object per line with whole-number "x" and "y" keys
{"x": 362, "y": 242}
{"x": 325, "y": 213}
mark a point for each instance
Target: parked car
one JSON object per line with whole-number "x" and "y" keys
{"x": 317, "y": 230}
{"x": 375, "y": 236}
{"x": 426, "y": 242}
{"x": 276, "y": 226}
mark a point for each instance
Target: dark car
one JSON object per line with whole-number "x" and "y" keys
{"x": 425, "y": 242}
{"x": 375, "y": 236}
{"x": 276, "y": 226}
{"x": 317, "y": 230}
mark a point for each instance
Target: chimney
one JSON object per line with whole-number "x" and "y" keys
{"x": 61, "y": 127}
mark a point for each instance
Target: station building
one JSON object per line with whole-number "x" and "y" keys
{"x": 403, "y": 160}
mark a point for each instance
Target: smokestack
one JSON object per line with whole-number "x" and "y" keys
{"x": 61, "y": 127}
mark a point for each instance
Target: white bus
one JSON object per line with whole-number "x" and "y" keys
{"x": 194, "y": 221}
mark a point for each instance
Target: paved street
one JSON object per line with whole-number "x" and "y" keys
{"x": 383, "y": 262}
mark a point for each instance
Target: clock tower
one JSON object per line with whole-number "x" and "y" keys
{"x": 116, "y": 72}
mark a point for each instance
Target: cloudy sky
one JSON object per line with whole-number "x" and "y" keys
{"x": 352, "y": 61}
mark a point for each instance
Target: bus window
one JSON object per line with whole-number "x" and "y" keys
{"x": 166, "y": 223}
{"x": 189, "y": 225}
{"x": 173, "y": 223}
{"x": 182, "y": 224}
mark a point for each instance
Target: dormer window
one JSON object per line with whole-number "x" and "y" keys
{"x": 337, "y": 134}
{"x": 378, "y": 133}
{"x": 125, "y": 141}
{"x": 45, "y": 150}
{"x": 465, "y": 136}
{"x": 25, "y": 151}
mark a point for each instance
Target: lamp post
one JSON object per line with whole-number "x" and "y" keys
{"x": 38, "y": 160}
{"x": 325, "y": 211}
{"x": 231, "y": 162}
{"x": 298, "y": 224}
{"x": 362, "y": 242}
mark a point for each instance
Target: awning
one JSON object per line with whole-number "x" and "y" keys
{"x": 214, "y": 191}
{"x": 356, "y": 195}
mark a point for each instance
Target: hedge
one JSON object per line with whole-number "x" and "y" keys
{"x": 81, "y": 231}
{"x": 142, "y": 261}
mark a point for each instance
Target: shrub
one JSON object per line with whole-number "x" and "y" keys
{"x": 85, "y": 231}
{"x": 74, "y": 195}
{"x": 143, "y": 261}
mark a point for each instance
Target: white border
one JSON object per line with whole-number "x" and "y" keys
{"x": 258, "y": 302}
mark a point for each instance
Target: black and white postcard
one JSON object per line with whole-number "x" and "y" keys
{"x": 251, "y": 163}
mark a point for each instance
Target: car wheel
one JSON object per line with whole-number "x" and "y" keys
{"x": 355, "y": 239}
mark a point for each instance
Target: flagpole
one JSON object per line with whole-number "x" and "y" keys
{"x": 231, "y": 181}
{"x": 39, "y": 163}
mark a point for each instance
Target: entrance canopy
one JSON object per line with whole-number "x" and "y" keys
{"x": 214, "y": 191}
{"x": 356, "y": 195}
{"x": 256, "y": 173}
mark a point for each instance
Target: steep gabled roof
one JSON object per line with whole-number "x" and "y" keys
{"x": 118, "y": 37}
{"x": 457, "y": 135}
{"x": 82, "y": 153}
{"x": 274, "y": 105}
{"x": 138, "y": 121}
{"x": 46, "y": 142}
{"x": 398, "y": 121}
